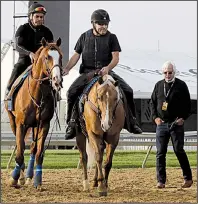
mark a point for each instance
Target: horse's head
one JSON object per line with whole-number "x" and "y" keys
{"x": 49, "y": 56}
{"x": 108, "y": 97}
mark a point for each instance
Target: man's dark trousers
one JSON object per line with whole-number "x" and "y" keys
{"x": 163, "y": 134}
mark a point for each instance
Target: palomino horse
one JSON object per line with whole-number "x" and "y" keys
{"x": 34, "y": 106}
{"x": 104, "y": 117}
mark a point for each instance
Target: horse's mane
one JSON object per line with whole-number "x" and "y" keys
{"x": 108, "y": 77}
{"x": 106, "y": 80}
{"x": 37, "y": 54}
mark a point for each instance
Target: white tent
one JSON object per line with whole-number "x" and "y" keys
{"x": 140, "y": 69}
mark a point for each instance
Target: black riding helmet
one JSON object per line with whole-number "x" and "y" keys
{"x": 100, "y": 15}
{"x": 36, "y": 8}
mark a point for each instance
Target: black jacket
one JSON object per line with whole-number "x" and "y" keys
{"x": 28, "y": 38}
{"x": 179, "y": 102}
{"x": 96, "y": 50}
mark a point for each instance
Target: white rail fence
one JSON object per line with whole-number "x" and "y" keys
{"x": 57, "y": 138}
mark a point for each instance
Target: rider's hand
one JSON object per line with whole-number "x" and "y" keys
{"x": 32, "y": 56}
{"x": 158, "y": 121}
{"x": 65, "y": 72}
{"x": 103, "y": 71}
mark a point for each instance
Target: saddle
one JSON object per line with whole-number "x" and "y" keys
{"x": 16, "y": 86}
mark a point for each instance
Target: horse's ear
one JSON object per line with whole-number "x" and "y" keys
{"x": 43, "y": 42}
{"x": 58, "y": 42}
{"x": 100, "y": 80}
{"x": 116, "y": 83}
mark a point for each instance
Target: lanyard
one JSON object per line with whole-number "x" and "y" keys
{"x": 166, "y": 95}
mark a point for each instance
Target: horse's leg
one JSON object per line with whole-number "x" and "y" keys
{"x": 20, "y": 135}
{"x": 30, "y": 167}
{"x": 81, "y": 144}
{"x": 99, "y": 149}
{"x": 108, "y": 163}
{"x": 22, "y": 175}
{"x": 43, "y": 131}
{"x": 95, "y": 179}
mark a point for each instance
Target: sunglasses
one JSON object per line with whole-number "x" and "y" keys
{"x": 168, "y": 72}
{"x": 101, "y": 23}
{"x": 40, "y": 9}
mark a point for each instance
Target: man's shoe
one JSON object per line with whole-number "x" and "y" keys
{"x": 70, "y": 133}
{"x": 136, "y": 130}
{"x": 160, "y": 185}
{"x": 187, "y": 184}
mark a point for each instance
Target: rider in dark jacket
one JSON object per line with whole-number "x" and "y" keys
{"x": 28, "y": 40}
{"x": 100, "y": 51}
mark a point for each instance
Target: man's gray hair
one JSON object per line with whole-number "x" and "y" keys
{"x": 167, "y": 63}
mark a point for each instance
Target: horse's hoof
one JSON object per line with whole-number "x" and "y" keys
{"x": 95, "y": 184}
{"x": 13, "y": 183}
{"x": 102, "y": 193}
{"x": 28, "y": 181}
{"x": 85, "y": 185}
{"x": 39, "y": 188}
{"x": 22, "y": 178}
{"x": 22, "y": 181}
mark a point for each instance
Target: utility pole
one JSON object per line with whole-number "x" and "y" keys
{"x": 13, "y": 39}
{"x": 14, "y": 29}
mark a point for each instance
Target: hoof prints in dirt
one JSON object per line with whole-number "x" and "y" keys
{"x": 125, "y": 185}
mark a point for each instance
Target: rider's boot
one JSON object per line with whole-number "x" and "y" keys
{"x": 71, "y": 122}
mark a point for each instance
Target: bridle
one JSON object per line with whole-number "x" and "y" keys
{"x": 41, "y": 80}
{"x": 48, "y": 75}
{"x": 49, "y": 71}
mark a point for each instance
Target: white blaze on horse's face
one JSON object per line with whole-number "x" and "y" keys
{"x": 106, "y": 124}
{"x": 56, "y": 73}
{"x": 110, "y": 99}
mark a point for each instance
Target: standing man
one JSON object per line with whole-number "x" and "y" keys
{"x": 28, "y": 40}
{"x": 171, "y": 106}
{"x": 100, "y": 52}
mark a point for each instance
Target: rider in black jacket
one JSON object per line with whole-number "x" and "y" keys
{"x": 28, "y": 40}
{"x": 100, "y": 51}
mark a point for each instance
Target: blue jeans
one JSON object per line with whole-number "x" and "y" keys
{"x": 163, "y": 135}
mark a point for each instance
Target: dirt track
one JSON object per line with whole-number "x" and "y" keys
{"x": 126, "y": 185}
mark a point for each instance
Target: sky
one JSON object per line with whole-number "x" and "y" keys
{"x": 139, "y": 27}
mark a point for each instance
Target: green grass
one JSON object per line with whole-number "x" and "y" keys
{"x": 61, "y": 159}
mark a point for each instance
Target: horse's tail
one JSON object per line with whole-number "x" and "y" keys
{"x": 90, "y": 153}
{"x": 12, "y": 122}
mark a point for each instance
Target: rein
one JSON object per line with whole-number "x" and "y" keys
{"x": 40, "y": 106}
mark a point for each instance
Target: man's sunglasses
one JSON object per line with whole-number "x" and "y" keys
{"x": 40, "y": 9}
{"x": 168, "y": 72}
{"x": 101, "y": 23}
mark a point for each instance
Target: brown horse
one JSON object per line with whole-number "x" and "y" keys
{"x": 104, "y": 117}
{"x": 34, "y": 106}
